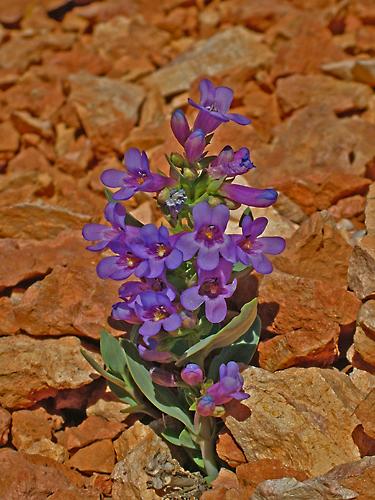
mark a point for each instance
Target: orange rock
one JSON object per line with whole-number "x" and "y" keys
{"x": 92, "y": 429}
{"x": 5, "y": 421}
{"x": 348, "y": 208}
{"x": 30, "y": 426}
{"x": 228, "y": 450}
{"x": 312, "y": 247}
{"x": 9, "y": 137}
{"x": 32, "y": 370}
{"x": 364, "y": 351}
{"x": 47, "y": 448}
{"x": 366, "y": 318}
{"x": 303, "y": 417}
{"x": 29, "y": 159}
{"x": 361, "y": 273}
{"x": 28, "y": 476}
{"x": 97, "y": 457}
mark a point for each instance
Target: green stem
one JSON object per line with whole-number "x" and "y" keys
{"x": 206, "y": 440}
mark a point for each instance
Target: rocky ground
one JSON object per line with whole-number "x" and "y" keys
{"x": 80, "y": 82}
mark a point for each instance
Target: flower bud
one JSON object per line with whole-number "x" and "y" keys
{"x": 194, "y": 145}
{"x": 162, "y": 377}
{"x": 177, "y": 160}
{"x": 192, "y": 374}
{"x": 164, "y": 195}
{"x": 180, "y": 126}
{"x": 250, "y": 196}
{"x": 214, "y": 201}
{"x": 206, "y": 406}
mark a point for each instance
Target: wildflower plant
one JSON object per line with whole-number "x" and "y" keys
{"x": 182, "y": 355}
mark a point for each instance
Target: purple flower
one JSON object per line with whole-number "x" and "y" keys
{"x": 230, "y": 163}
{"x": 208, "y": 238}
{"x": 156, "y": 311}
{"x": 155, "y": 247}
{"x": 212, "y": 289}
{"x": 160, "y": 284}
{"x": 214, "y": 106}
{"x": 152, "y": 354}
{"x": 130, "y": 291}
{"x": 124, "y": 311}
{"x": 180, "y": 126}
{"x": 121, "y": 266}
{"x": 137, "y": 176}
{"x": 194, "y": 145}
{"x": 251, "y": 248}
{"x": 206, "y": 406}
{"x": 192, "y": 374}
{"x": 115, "y": 214}
{"x": 248, "y": 195}
{"x": 163, "y": 377}
{"x": 176, "y": 201}
{"x": 230, "y": 385}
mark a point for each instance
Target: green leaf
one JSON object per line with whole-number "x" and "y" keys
{"x": 171, "y": 437}
{"x": 229, "y": 334}
{"x": 238, "y": 267}
{"x": 101, "y": 370}
{"x": 186, "y": 440}
{"x": 113, "y": 354}
{"x": 199, "y": 461}
{"x": 108, "y": 195}
{"x": 241, "y": 351}
{"x": 122, "y": 395}
{"x": 163, "y": 398}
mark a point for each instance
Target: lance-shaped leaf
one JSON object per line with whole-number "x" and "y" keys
{"x": 241, "y": 351}
{"x": 113, "y": 354}
{"x": 224, "y": 337}
{"x": 108, "y": 376}
{"x": 163, "y": 398}
{"x": 182, "y": 438}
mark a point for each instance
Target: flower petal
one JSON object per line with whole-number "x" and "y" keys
{"x": 216, "y": 309}
{"x": 207, "y": 91}
{"x": 249, "y": 196}
{"x": 174, "y": 259}
{"x": 191, "y": 299}
{"x": 93, "y": 232}
{"x": 202, "y": 214}
{"x": 149, "y": 329}
{"x": 271, "y": 244}
{"x": 223, "y": 98}
{"x": 124, "y": 193}
{"x": 187, "y": 245}
{"x": 240, "y": 119}
{"x": 132, "y": 160}
{"x": 260, "y": 263}
{"x": 113, "y": 178}
{"x": 172, "y": 322}
{"x": 208, "y": 258}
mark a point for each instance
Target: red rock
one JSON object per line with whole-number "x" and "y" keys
{"x": 307, "y": 317}
{"x": 8, "y": 323}
{"x": 298, "y": 91}
{"x": 262, "y": 109}
{"x": 370, "y": 210}
{"x": 224, "y": 486}
{"x": 228, "y": 450}
{"x": 350, "y": 207}
{"x": 92, "y": 429}
{"x": 313, "y": 139}
{"x": 28, "y": 159}
{"x": 84, "y": 302}
{"x": 102, "y": 482}
{"x": 49, "y": 449}
{"x": 97, "y": 457}
{"x": 361, "y": 274}
{"x": 107, "y": 108}
{"x": 32, "y": 370}
{"x": 27, "y": 124}
{"x": 9, "y": 137}
{"x": 366, "y": 318}
{"x": 30, "y": 426}
{"x": 5, "y": 421}
{"x": 303, "y": 55}
{"x": 364, "y": 351}
{"x": 312, "y": 247}
{"x": 365, "y": 413}
{"x": 77, "y": 158}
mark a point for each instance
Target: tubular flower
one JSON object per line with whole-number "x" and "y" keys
{"x": 250, "y": 196}
{"x": 192, "y": 374}
{"x": 154, "y": 246}
{"x": 206, "y": 406}
{"x": 137, "y": 176}
{"x": 122, "y": 265}
{"x": 151, "y": 353}
{"x": 212, "y": 289}
{"x": 230, "y": 163}
{"x": 214, "y": 107}
{"x": 251, "y": 248}
{"x": 229, "y": 386}
{"x": 194, "y": 145}
{"x": 156, "y": 311}
{"x": 180, "y": 126}
{"x": 115, "y": 214}
{"x": 208, "y": 238}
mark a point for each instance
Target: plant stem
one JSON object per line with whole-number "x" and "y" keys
{"x": 207, "y": 444}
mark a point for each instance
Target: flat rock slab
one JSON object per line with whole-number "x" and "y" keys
{"x": 302, "y": 417}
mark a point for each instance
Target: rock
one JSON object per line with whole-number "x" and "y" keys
{"x": 33, "y": 476}
{"x": 107, "y": 108}
{"x": 363, "y": 380}
{"x": 92, "y": 429}
{"x": 21, "y": 220}
{"x": 8, "y": 323}
{"x": 307, "y": 317}
{"x": 30, "y": 426}
{"x": 27, "y": 124}
{"x": 228, "y": 451}
{"x": 350, "y": 69}
{"x": 313, "y": 139}
{"x": 320, "y": 190}
{"x": 370, "y": 211}
{"x": 47, "y": 448}
{"x": 9, "y": 137}
{"x": 361, "y": 273}
{"x": 365, "y": 413}
{"x": 303, "y": 55}
{"x": 146, "y": 465}
{"x": 366, "y": 317}
{"x": 298, "y": 91}
{"x": 235, "y": 47}
{"x": 348, "y": 208}
{"x": 32, "y": 370}
{"x": 312, "y": 247}
{"x": 84, "y": 302}
{"x": 310, "y": 423}
{"x": 5, "y": 421}
{"x": 343, "y": 482}
{"x": 31, "y": 158}
{"x": 263, "y": 109}
{"x": 101, "y": 482}
{"x": 97, "y": 457}
{"x": 109, "y": 409}
{"x": 364, "y": 354}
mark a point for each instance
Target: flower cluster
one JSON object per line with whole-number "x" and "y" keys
{"x": 177, "y": 278}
